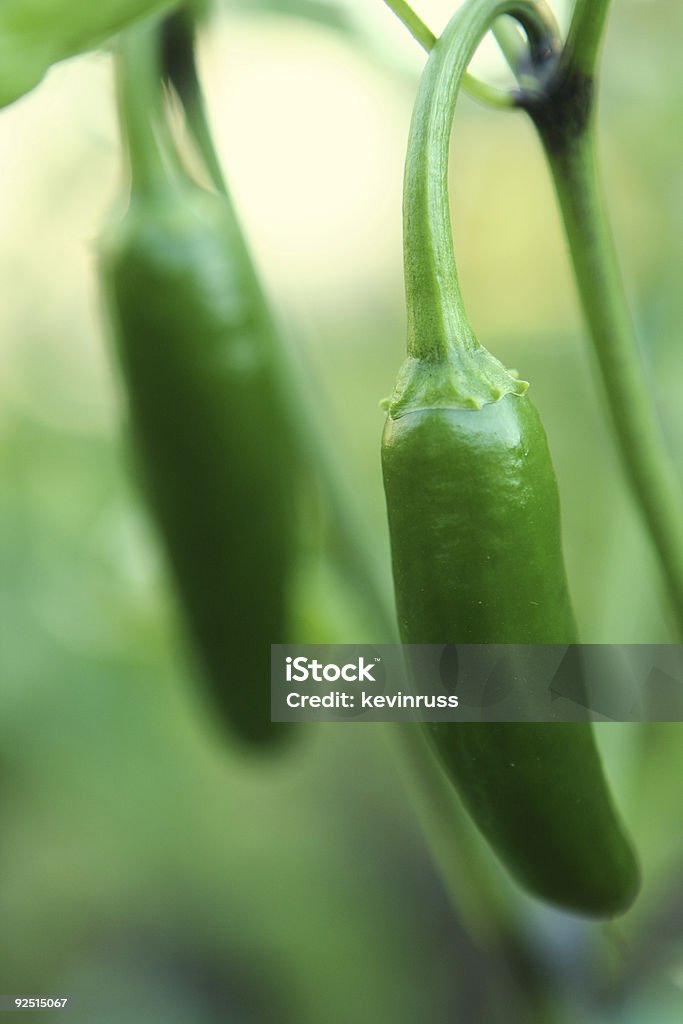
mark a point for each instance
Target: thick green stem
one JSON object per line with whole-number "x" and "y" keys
{"x": 137, "y": 77}
{"x": 573, "y": 165}
{"x": 585, "y": 35}
{"x": 565, "y": 123}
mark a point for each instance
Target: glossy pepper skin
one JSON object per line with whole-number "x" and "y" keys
{"x": 475, "y": 530}
{"x": 199, "y": 361}
{"x": 475, "y": 535}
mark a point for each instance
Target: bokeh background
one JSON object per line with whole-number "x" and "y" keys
{"x": 150, "y": 869}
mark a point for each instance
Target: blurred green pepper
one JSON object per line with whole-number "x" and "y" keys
{"x": 207, "y": 397}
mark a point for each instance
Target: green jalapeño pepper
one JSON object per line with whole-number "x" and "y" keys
{"x": 201, "y": 369}
{"x": 475, "y": 530}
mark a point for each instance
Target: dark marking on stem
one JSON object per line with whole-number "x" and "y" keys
{"x": 177, "y": 52}
{"x": 563, "y": 111}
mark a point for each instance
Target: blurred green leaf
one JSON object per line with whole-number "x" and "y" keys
{"x": 35, "y": 35}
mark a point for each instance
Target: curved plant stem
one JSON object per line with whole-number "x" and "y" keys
{"x": 510, "y": 42}
{"x": 488, "y": 94}
{"x": 479, "y": 90}
{"x": 515, "y": 50}
{"x": 566, "y": 126}
{"x": 604, "y": 303}
{"x": 437, "y": 325}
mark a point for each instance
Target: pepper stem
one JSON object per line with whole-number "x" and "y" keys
{"x": 585, "y": 34}
{"x": 446, "y": 364}
{"x": 437, "y": 323}
{"x": 140, "y": 111}
{"x": 569, "y": 144}
{"x": 177, "y": 41}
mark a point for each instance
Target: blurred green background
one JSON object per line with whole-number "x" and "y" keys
{"x": 150, "y": 870}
